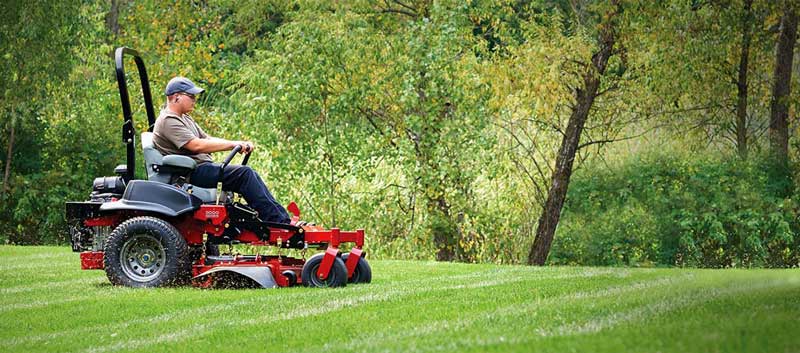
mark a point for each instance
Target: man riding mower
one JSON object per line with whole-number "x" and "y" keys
{"x": 164, "y": 230}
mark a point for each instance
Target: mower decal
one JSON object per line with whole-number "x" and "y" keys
{"x": 214, "y": 213}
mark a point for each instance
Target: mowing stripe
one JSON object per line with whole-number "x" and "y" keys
{"x": 494, "y": 282}
{"x": 299, "y": 312}
{"x": 198, "y": 329}
{"x": 615, "y": 290}
{"x": 47, "y": 256}
{"x": 28, "y": 304}
{"x": 36, "y": 304}
{"x": 653, "y": 309}
{"x": 202, "y": 310}
{"x": 37, "y": 265}
{"x": 538, "y": 273}
{"x": 50, "y": 285}
{"x": 208, "y": 309}
{"x": 612, "y": 320}
{"x": 371, "y": 342}
{"x": 19, "y": 278}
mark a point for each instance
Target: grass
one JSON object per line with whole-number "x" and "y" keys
{"x": 48, "y": 304}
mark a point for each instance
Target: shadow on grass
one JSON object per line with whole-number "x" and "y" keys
{"x": 103, "y": 285}
{"x": 219, "y": 281}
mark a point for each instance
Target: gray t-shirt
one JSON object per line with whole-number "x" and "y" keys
{"x": 171, "y": 132}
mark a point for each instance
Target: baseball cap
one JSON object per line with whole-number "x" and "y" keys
{"x": 182, "y": 84}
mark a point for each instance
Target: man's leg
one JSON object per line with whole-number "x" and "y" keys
{"x": 248, "y": 183}
{"x": 245, "y": 181}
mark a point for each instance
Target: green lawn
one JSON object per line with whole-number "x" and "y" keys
{"x": 49, "y": 304}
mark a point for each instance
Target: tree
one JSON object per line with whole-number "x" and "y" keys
{"x": 584, "y": 98}
{"x": 112, "y": 18}
{"x": 741, "y": 83}
{"x": 36, "y": 42}
{"x": 707, "y": 67}
{"x": 781, "y": 87}
{"x": 9, "y": 155}
{"x": 387, "y": 89}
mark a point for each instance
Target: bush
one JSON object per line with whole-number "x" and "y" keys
{"x": 621, "y": 236}
{"x": 678, "y": 210}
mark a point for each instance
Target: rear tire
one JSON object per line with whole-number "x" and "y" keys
{"x": 336, "y": 278}
{"x": 146, "y": 252}
{"x": 362, "y": 273}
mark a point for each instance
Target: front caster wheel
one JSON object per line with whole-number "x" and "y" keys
{"x": 336, "y": 278}
{"x": 363, "y": 273}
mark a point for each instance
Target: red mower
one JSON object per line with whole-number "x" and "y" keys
{"x": 164, "y": 231}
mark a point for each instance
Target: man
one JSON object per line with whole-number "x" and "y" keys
{"x": 175, "y": 132}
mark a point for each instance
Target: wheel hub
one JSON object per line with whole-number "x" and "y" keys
{"x": 142, "y": 257}
{"x": 147, "y": 257}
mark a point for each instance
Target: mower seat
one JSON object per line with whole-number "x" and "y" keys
{"x": 155, "y": 164}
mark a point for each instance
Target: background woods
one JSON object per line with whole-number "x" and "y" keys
{"x": 561, "y": 132}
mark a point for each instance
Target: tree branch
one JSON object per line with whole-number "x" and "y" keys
{"x": 399, "y": 11}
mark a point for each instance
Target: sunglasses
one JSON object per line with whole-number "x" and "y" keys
{"x": 191, "y": 96}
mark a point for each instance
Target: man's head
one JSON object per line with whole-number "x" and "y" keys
{"x": 181, "y": 94}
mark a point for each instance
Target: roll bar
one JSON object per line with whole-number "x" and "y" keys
{"x": 128, "y": 130}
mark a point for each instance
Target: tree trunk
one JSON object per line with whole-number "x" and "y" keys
{"x": 9, "y": 155}
{"x": 741, "y": 84}
{"x": 781, "y": 87}
{"x": 112, "y": 18}
{"x": 584, "y": 98}
{"x": 444, "y": 231}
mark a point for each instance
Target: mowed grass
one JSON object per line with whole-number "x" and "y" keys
{"x": 48, "y": 304}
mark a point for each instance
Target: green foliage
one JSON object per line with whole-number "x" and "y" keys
{"x": 35, "y": 80}
{"x": 402, "y": 123}
{"x": 690, "y": 66}
{"x": 667, "y": 209}
{"x": 433, "y": 125}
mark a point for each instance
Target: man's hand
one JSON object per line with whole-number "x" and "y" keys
{"x": 247, "y": 146}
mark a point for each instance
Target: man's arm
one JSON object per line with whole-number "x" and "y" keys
{"x": 213, "y": 144}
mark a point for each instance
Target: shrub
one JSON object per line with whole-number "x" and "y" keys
{"x": 673, "y": 209}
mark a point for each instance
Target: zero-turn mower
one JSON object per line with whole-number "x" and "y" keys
{"x": 165, "y": 231}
